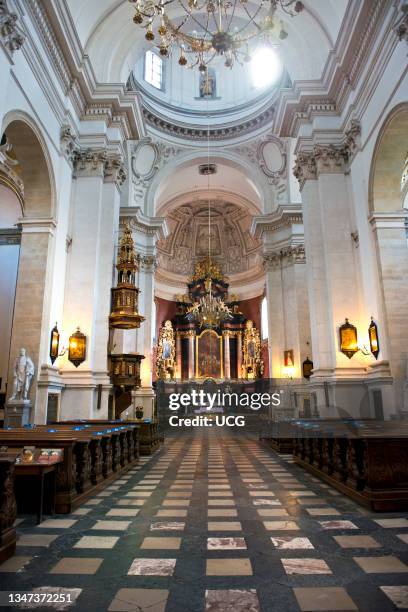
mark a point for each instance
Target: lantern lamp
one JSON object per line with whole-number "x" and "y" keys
{"x": 54, "y": 343}
{"x": 348, "y": 339}
{"x": 77, "y": 348}
{"x": 373, "y": 336}
{"x": 307, "y": 368}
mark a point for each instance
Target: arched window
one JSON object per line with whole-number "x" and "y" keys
{"x": 153, "y": 72}
{"x": 264, "y": 319}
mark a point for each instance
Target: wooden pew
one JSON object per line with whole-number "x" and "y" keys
{"x": 366, "y": 460}
{"x": 8, "y": 508}
{"x": 93, "y": 456}
{"x": 149, "y": 438}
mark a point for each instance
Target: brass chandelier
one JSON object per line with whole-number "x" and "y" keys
{"x": 209, "y": 311}
{"x": 204, "y": 29}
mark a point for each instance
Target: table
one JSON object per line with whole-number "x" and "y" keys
{"x": 39, "y": 470}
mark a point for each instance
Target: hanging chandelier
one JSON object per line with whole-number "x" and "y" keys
{"x": 209, "y": 311}
{"x": 203, "y": 29}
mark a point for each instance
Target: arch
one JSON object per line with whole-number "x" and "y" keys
{"x": 388, "y": 162}
{"x": 35, "y": 165}
{"x": 186, "y": 160}
{"x": 35, "y": 171}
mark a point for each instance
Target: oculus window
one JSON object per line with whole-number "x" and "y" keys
{"x": 153, "y": 72}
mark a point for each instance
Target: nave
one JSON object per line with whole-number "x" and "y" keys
{"x": 215, "y": 521}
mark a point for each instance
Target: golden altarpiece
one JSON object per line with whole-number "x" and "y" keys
{"x": 189, "y": 351}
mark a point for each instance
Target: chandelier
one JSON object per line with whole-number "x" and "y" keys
{"x": 204, "y": 29}
{"x": 209, "y": 311}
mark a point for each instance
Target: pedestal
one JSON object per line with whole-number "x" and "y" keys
{"x": 145, "y": 397}
{"x": 17, "y": 413}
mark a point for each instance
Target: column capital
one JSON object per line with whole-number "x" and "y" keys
{"x": 99, "y": 162}
{"x": 291, "y": 254}
{"x": 147, "y": 263}
{"x": 11, "y": 34}
{"x": 326, "y": 158}
{"x": 115, "y": 169}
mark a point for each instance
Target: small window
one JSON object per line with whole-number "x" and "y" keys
{"x": 153, "y": 70}
{"x": 264, "y": 319}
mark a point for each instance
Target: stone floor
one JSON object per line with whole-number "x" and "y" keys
{"x": 215, "y": 521}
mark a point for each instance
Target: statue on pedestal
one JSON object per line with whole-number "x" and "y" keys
{"x": 23, "y": 373}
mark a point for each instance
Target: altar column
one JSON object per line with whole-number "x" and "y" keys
{"x": 178, "y": 356}
{"x": 191, "y": 354}
{"x": 227, "y": 357}
{"x": 239, "y": 354}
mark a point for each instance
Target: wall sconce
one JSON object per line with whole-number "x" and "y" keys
{"x": 373, "y": 336}
{"x": 289, "y": 363}
{"x": 77, "y": 348}
{"x": 307, "y": 368}
{"x": 348, "y": 339}
{"x": 54, "y": 343}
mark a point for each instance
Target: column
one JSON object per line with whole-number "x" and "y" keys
{"x": 333, "y": 288}
{"x": 239, "y": 355}
{"x": 95, "y": 215}
{"x": 191, "y": 355}
{"x": 227, "y": 357}
{"x": 144, "y": 396}
{"x": 178, "y": 355}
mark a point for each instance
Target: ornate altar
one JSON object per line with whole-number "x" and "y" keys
{"x": 252, "y": 364}
{"x": 200, "y": 351}
{"x": 166, "y": 352}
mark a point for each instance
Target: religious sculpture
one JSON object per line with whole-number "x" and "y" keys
{"x": 166, "y": 352}
{"x": 207, "y": 84}
{"x": 252, "y": 363}
{"x": 23, "y": 373}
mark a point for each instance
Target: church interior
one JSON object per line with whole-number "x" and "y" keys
{"x": 204, "y": 305}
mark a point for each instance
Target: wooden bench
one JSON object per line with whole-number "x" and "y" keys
{"x": 149, "y": 438}
{"x": 8, "y": 508}
{"x": 366, "y": 460}
{"x": 93, "y": 456}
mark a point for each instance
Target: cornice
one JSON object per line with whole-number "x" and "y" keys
{"x": 344, "y": 66}
{"x": 91, "y": 100}
{"x": 199, "y": 133}
{"x": 155, "y": 227}
{"x": 284, "y": 216}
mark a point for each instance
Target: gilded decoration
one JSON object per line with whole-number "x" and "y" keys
{"x": 166, "y": 352}
{"x": 207, "y": 268}
{"x": 252, "y": 363}
{"x": 125, "y": 295}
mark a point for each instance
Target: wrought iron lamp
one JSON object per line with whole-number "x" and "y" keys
{"x": 54, "y": 343}
{"x": 348, "y": 339}
{"x": 307, "y": 368}
{"x": 373, "y": 337}
{"x": 209, "y": 28}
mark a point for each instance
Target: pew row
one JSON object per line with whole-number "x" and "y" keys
{"x": 149, "y": 438}
{"x": 8, "y": 509}
{"x": 365, "y": 460}
{"x": 93, "y": 456}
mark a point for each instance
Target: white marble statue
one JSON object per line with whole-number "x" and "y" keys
{"x": 23, "y": 374}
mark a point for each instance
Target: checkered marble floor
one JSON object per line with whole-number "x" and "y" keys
{"x": 215, "y": 521}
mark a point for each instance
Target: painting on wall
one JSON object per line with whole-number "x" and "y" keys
{"x": 209, "y": 355}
